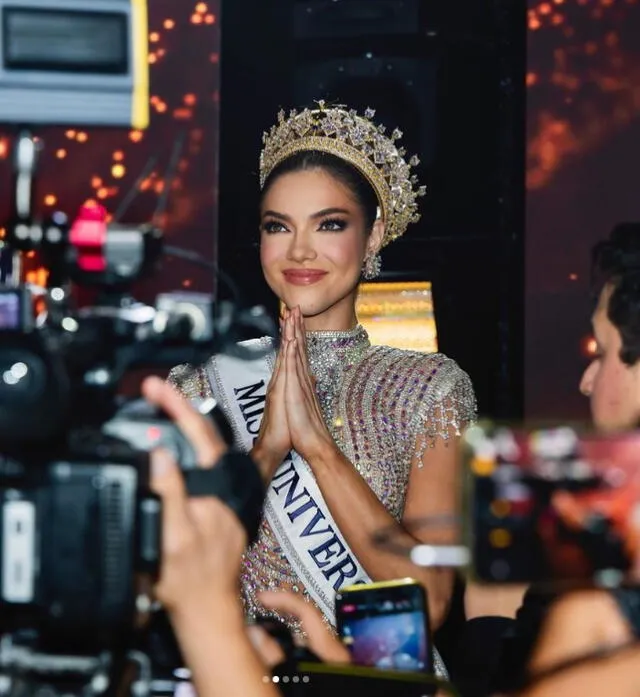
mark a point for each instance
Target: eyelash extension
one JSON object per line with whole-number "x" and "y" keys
{"x": 340, "y": 224}
{"x": 270, "y": 227}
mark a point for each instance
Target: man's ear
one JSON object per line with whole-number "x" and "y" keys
{"x": 374, "y": 243}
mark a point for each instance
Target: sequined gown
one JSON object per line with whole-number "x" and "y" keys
{"x": 384, "y": 407}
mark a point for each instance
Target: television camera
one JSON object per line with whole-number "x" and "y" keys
{"x": 79, "y": 526}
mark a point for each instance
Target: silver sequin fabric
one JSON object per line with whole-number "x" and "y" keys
{"x": 384, "y": 407}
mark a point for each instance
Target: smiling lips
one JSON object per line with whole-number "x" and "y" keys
{"x": 303, "y": 277}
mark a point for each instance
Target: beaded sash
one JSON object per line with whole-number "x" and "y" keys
{"x": 294, "y": 508}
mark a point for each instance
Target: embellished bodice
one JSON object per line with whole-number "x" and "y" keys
{"x": 331, "y": 355}
{"x": 383, "y": 406}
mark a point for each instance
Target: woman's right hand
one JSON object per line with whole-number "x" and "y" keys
{"x": 274, "y": 441}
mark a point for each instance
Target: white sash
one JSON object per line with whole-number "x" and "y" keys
{"x": 294, "y": 507}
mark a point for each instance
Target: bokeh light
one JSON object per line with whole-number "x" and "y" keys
{"x": 79, "y": 163}
{"x": 594, "y": 82}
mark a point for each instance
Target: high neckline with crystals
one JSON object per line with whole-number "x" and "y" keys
{"x": 330, "y": 354}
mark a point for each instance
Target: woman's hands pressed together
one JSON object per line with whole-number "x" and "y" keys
{"x": 274, "y": 441}
{"x": 292, "y": 417}
{"x": 309, "y": 434}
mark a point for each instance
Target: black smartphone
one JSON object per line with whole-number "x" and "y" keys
{"x": 386, "y": 625}
{"x": 553, "y": 505}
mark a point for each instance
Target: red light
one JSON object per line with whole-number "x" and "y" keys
{"x": 88, "y": 235}
{"x": 154, "y": 433}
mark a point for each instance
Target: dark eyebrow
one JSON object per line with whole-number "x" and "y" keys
{"x": 320, "y": 214}
{"x": 275, "y": 214}
{"x": 330, "y": 211}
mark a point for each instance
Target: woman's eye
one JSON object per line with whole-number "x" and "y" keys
{"x": 333, "y": 225}
{"x": 272, "y": 226}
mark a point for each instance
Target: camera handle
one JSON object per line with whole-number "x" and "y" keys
{"x": 28, "y": 673}
{"x": 21, "y": 227}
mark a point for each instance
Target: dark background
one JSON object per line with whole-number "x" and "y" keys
{"x": 451, "y": 75}
{"x": 583, "y": 169}
{"x": 184, "y": 73}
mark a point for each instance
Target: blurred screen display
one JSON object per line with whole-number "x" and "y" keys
{"x": 61, "y": 40}
{"x": 386, "y": 628}
{"x": 553, "y": 505}
{"x": 9, "y": 310}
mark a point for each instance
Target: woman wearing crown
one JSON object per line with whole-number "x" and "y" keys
{"x": 353, "y": 438}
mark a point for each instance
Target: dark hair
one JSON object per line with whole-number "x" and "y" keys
{"x": 345, "y": 173}
{"x": 616, "y": 262}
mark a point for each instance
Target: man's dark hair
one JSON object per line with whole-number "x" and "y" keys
{"x": 616, "y": 262}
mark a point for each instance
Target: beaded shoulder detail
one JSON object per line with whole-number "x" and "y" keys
{"x": 436, "y": 394}
{"x": 407, "y": 401}
{"x": 192, "y": 382}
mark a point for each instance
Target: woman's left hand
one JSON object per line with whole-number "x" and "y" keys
{"x": 309, "y": 434}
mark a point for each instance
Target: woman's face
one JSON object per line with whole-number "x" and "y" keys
{"x": 312, "y": 246}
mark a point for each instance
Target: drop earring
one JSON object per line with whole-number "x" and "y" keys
{"x": 372, "y": 267}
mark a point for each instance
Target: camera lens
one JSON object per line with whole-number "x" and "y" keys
{"x": 22, "y": 378}
{"x": 32, "y": 392}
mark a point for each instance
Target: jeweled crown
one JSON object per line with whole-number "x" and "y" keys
{"x": 361, "y": 143}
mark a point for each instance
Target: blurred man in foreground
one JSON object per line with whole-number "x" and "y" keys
{"x": 601, "y": 626}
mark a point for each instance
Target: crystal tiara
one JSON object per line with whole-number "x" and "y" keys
{"x": 361, "y": 143}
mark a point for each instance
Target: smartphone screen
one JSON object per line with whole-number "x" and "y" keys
{"x": 386, "y": 625}
{"x": 553, "y": 505}
{"x": 10, "y": 311}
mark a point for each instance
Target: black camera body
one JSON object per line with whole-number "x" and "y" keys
{"x": 77, "y": 529}
{"x": 79, "y": 526}
{"x": 75, "y": 533}
{"x": 80, "y": 541}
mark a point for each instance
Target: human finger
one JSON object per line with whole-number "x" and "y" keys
{"x": 216, "y": 522}
{"x": 168, "y": 483}
{"x": 302, "y": 370}
{"x": 277, "y": 369}
{"x": 266, "y": 646}
{"x": 300, "y": 335}
{"x": 320, "y": 640}
{"x": 198, "y": 429}
{"x": 289, "y": 331}
{"x": 295, "y": 375}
